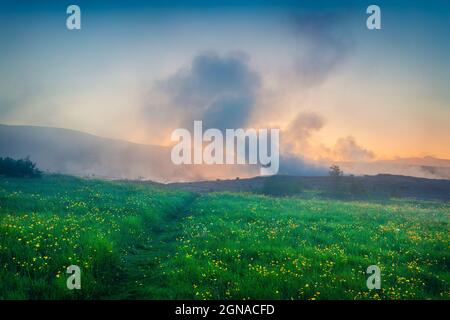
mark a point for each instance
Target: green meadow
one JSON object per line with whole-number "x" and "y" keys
{"x": 147, "y": 242}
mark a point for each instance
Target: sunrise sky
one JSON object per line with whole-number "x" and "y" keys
{"x": 137, "y": 70}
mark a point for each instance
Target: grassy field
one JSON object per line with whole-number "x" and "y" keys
{"x": 144, "y": 242}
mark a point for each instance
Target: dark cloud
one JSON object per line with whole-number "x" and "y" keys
{"x": 326, "y": 44}
{"x": 220, "y": 90}
{"x": 228, "y": 112}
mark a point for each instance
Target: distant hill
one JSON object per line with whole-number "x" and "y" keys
{"x": 426, "y": 167}
{"x": 380, "y": 186}
{"x": 425, "y": 161}
{"x": 77, "y": 153}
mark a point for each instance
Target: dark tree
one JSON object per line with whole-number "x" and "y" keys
{"x": 336, "y": 184}
{"x": 335, "y": 171}
{"x": 18, "y": 168}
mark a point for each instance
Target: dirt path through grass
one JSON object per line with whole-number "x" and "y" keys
{"x": 144, "y": 277}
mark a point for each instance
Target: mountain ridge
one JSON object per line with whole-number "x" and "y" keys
{"x": 79, "y": 153}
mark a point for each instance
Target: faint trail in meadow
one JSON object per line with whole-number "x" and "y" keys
{"x": 144, "y": 276}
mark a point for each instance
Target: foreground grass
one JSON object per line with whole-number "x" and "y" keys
{"x": 255, "y": 247}
{"x": 144, "y": 242}
{"x": 50, "y": 223}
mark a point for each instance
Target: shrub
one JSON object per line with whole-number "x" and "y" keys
{"x": 335, "y": 171}
{"x": 18, "y": 168}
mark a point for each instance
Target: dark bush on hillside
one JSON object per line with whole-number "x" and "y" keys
{"x": 18, "y": 168}
{"x": 335, "y": 172}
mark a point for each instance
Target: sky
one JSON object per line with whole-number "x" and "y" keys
{"x": 137, "y": 70}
